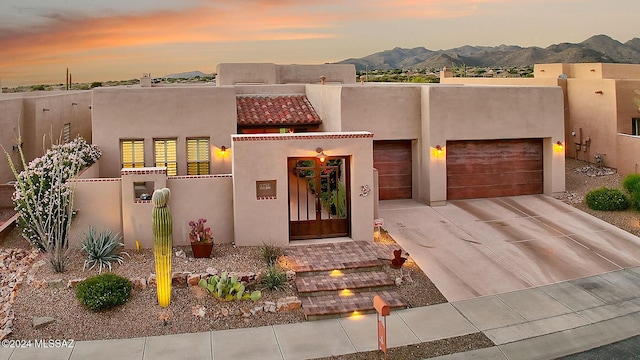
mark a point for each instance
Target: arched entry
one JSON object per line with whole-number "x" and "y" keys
{"x": 319, "y": 194}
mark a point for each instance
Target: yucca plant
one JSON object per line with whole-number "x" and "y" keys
{"x": 274, "y": 278}
{"x": 101, "y": 248}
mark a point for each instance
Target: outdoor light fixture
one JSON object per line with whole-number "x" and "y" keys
{"x": 45, "y": 109}
{"x": 223, "y": 150}
{"x": 74, "y": 104}
{"x": 599, "y": 92}
{"x": 559, "y": 143}
{"x": 439, "y": 149}
{"x": 321, "y": 155}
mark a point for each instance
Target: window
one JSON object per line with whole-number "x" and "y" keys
{"x": 66, "y": 132}
{"x": 132, "y": 153}
{"x": 165, "y": 150}
{"x": 635, "y": 126}
{"x": 198, "y": 156}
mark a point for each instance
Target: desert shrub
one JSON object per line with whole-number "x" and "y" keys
{"x": 274, "y": 278}
{"x": 631, "y": 183}
{"x": 606, "y": 199}
{"x": 270, "y": 253}
{"x": 103, "y": 291}
{"x": 101, "y": 248}
{"x": 44, "y": 199}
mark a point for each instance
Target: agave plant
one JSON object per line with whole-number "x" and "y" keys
{"x": 102, "y": 248}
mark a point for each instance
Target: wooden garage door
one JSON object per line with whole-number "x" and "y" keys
{"x": 481, "y": 169}
{"x": 393, "y": 161}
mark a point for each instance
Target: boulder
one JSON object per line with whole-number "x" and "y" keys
{"x": 41, "y": 321}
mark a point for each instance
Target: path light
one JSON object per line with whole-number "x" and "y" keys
{"x": 321, "y": 155}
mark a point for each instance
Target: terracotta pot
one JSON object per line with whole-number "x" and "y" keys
{"x": 201, "y": 250}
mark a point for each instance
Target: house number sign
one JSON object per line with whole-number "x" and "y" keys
{"x": 266, "y": 189}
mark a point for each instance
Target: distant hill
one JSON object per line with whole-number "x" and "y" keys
{"x": 187, "y": 75}
{"x": 598, "y": 48}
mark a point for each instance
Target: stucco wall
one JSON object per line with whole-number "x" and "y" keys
{"x": 195, "y": 197}
{"x": 390, "y": 112}
{"x": 35, "y": 123}
{"x": 264, "y": 157}
{"x": 485, "y": 113}
{"x": 149, "y": 113}
{"x": 628, "y": 154}
{"x": 98, "y": 205}
{"x": 625, "y": 106}
{"x": 11, "y": 121}
{"x": 310, "y": 74}
{"x": 326, "y": 101}
{"x": 247, "y": 73}
{"x": 595, "y": 114}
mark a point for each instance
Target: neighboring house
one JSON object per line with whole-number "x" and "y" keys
{"x": 38, "y": 118}
{"x": 304, "y": 152}
{"x": 602, "y": 122}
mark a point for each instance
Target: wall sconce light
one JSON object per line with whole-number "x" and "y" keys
{"x": 438, "y": 149}
{"x": 74, "y": 104}
{"x": 599, "y": 92}
{"x": 44, "y": 109}
{"x": 593, "y": 70}
{"x": 560, "y": 144}
{"x": 321, "y": 155}
{"x": 223, "y": 150}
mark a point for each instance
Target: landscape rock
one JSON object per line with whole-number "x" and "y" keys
{"x": 151, "y": 281}
{"x": 179, "y": 279}
{"x": 181, "y": 253}
{"x": 291, "y": 275}
{"x": 270, "y": 307}
{"x": 56, "y": 283}
{"x": 245, "y": 312}
{"x": 193, "y": 279}
{"x": 139, "y": 283}
{"x": 198, "y": 311}
{"x": 212, "y": 271}
{"x": 73, "y": 282}
{"x": 224, "y": 312}
{"x": 289, "y": 303}
{"x": 41, "y": 321}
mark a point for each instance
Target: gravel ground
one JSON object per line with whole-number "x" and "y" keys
{"x": 142, "y": 317}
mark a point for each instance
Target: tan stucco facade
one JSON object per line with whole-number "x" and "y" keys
{"x": 163, "y": 113}
{"x": 264, "y": 157}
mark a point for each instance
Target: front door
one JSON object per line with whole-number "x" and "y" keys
{"x": 319, "y": 198}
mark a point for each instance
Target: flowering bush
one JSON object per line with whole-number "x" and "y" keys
{"x": 43, "y": 198}
{"x": 198, "y": 232}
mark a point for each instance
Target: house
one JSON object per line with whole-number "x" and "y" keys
{"x": 602, "y": 120}
{"x": 279, "y": 153}
{"x": 39, "y": 117}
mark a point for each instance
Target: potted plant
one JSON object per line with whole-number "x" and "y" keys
{"x": 201, "y": 239}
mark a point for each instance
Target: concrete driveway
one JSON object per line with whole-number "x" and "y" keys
{"x": 478, "y": 247}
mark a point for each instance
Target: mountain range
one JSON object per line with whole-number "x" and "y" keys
{"x": 598, "y": 48}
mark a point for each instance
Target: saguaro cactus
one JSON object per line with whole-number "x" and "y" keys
{"x": 162, "y": 244}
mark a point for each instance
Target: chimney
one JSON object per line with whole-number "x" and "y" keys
{"x": 145, "y": 80}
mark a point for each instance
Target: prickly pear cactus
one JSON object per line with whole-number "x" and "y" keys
{"x": 162, "y": 244}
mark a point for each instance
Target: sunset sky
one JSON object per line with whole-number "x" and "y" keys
{"x": 121, "y": 39}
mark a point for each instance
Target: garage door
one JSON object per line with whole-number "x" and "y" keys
{"x": 480, "y": 169}
{"x": 393, "y": 161}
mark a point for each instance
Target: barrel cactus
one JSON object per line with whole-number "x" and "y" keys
{"x": 162, "y": 244}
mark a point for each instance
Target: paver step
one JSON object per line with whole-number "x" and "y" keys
{"x": 323, "y": 265}
{"x": 333, "y": 306}
{"x": 327, "y": 283}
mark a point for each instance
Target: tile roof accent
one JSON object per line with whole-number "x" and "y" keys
{"x": 276, "y": 110}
